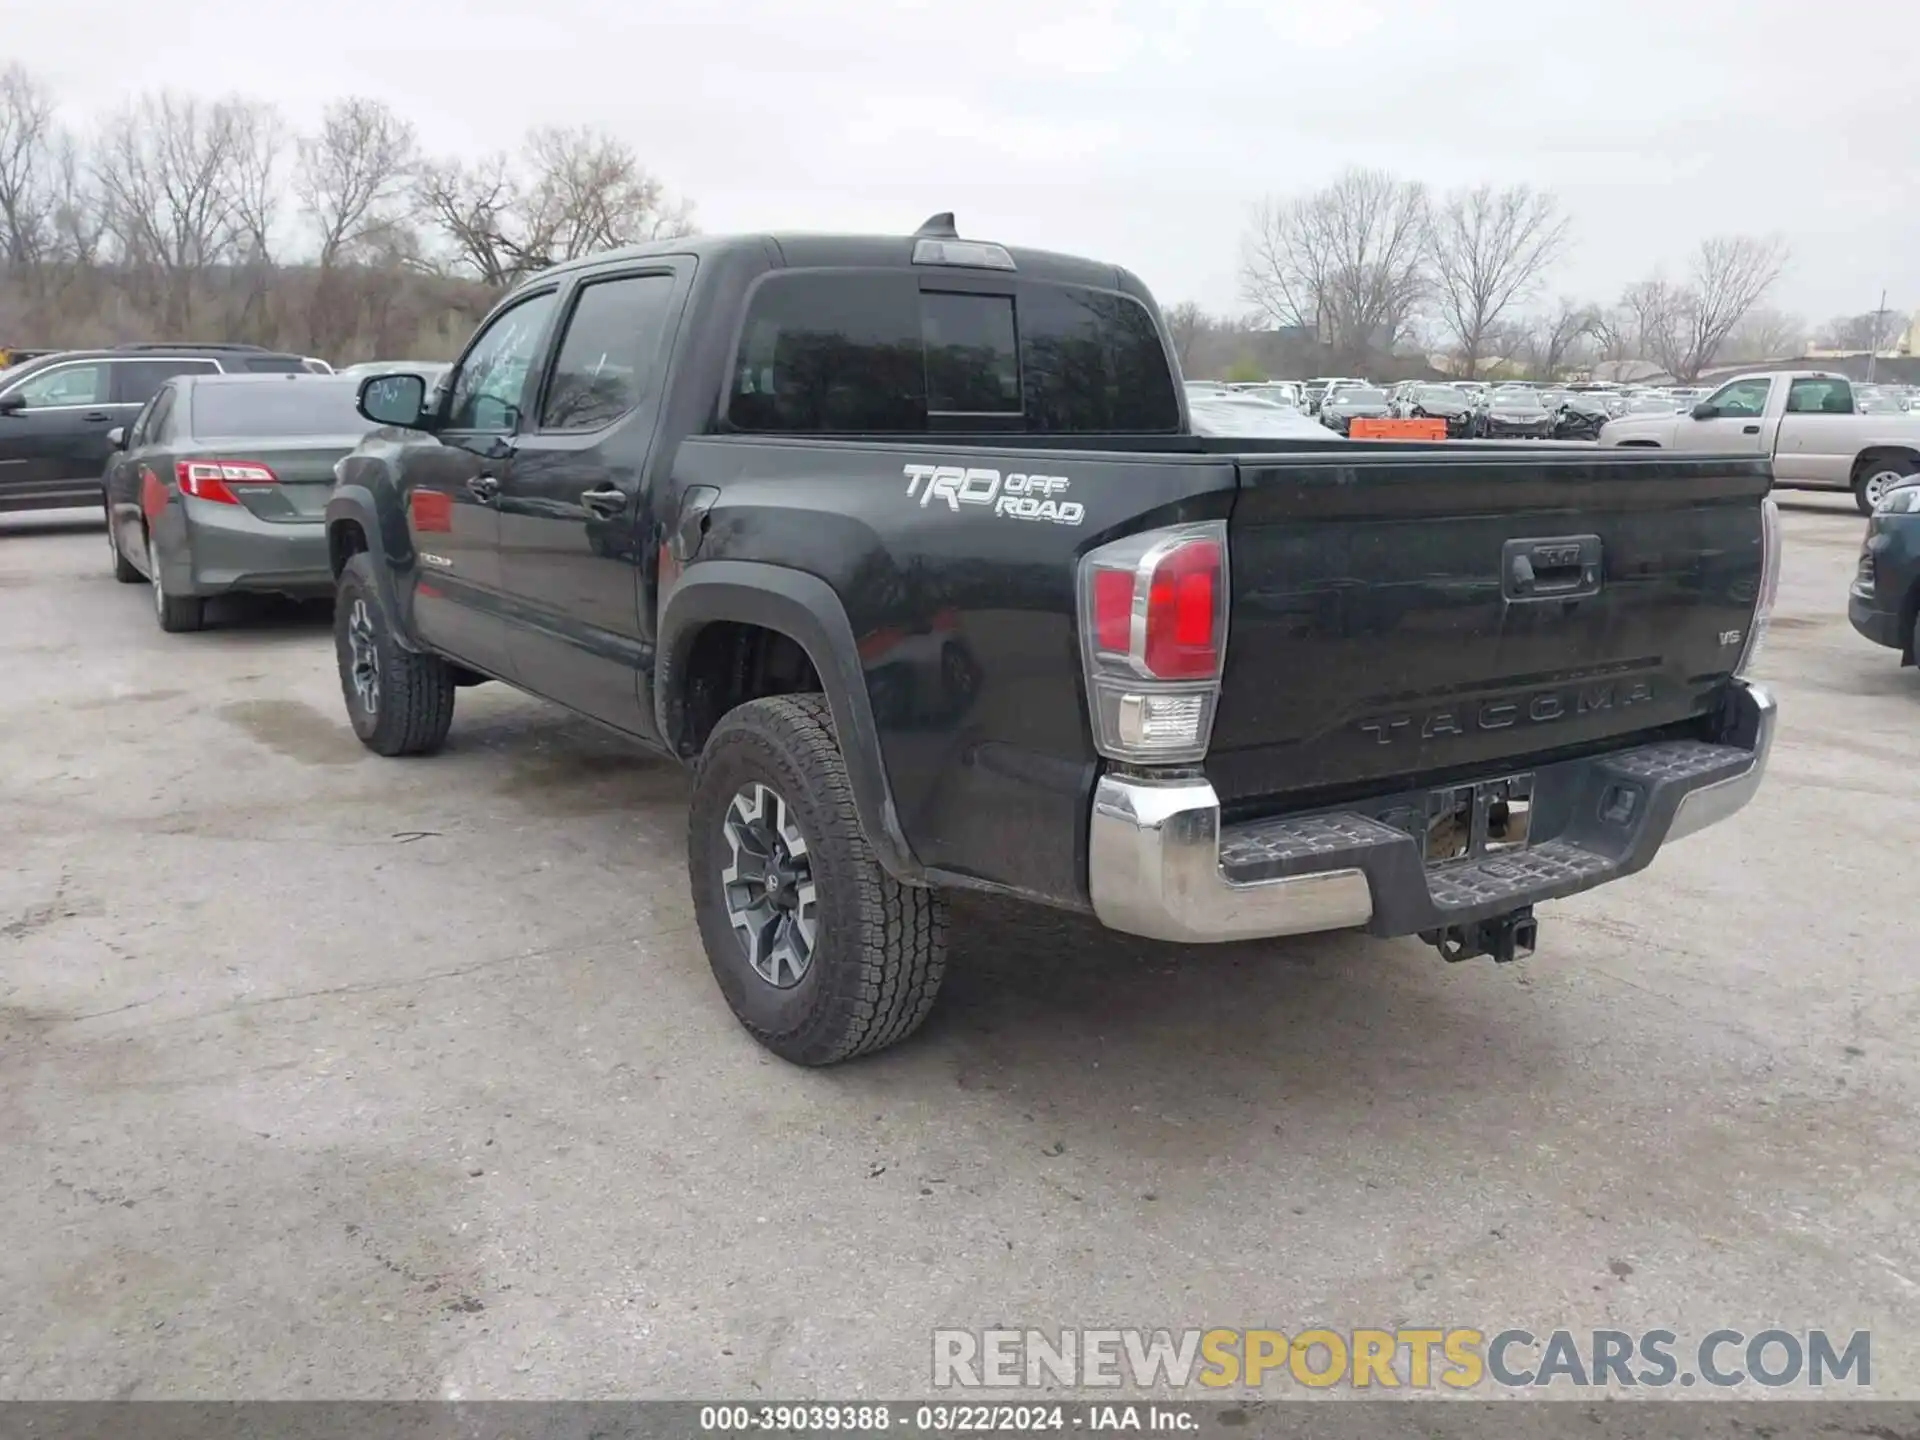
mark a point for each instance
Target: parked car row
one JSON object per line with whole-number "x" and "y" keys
{"x": 58, "y": 408}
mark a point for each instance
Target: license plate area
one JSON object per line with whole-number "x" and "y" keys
{"x": 1466, "y": 822}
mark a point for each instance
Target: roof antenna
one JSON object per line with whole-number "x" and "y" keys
{"x": 940, "y": 225}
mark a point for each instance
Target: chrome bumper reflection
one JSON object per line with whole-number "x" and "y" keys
{"x": 1154, "y": 863}
{"x": 1754, "y": 716}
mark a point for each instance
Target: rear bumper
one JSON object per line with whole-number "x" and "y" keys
{"x": 1161, "y": 864}
{"x": 1882, "y": 627}
{"x": 229, "y": 548}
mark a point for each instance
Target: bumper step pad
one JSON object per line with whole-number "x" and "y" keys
{"x": 1294, "y": 845}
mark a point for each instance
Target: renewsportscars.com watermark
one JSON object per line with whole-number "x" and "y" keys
{"x": 1398, "y": 1359}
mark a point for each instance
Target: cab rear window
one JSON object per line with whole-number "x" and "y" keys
{"x": 826, "y": 352}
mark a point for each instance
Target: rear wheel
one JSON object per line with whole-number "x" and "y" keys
{"x": 821, "y": 954}
{"x": 1877, "y": 474}
{"x": 399, "y": 701}
{"x": 176, "y": 613}
{"x": 123, "y": 571}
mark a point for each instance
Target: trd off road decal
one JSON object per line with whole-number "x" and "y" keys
{"x": 1017, "y": 496}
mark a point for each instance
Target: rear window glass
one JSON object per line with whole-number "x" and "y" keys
{"x": 851, "y": 351}
{"x": 272, "y": 365}
{"x": 973, "y": 358}
{"x": 313, "y": 406}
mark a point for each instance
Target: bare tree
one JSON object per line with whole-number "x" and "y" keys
{"x": 258, "y": 141}
{"x": 1865, "y": 331}
{"x": 1657, "y": 311}
{"x": 587, "y": 191}
{"x": 1552, "y": 336}
{"x": 1766, "y": 334}
{"x": 167, "y": 171}
{"x": 568, "y": 193}
{"x": 1730, "y": 275}
{"x": 1489, "y": 249}
{"x": 472, "y": 207}
{"x": 1346, "y": 261}
{"x": 352, "y": 177}
{"x": 79, "y": 207}
{"x": 1186, "y": 322}
{"x": 26, "y": 162}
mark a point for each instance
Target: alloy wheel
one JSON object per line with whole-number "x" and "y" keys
{"x": 364, "y": 656}
{"x": 771, "y": 900}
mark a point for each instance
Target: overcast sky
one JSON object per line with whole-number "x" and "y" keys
{"x": 1133, "y": 132}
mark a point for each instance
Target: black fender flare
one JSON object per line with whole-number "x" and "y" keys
{"x": 388, "y": 544}
{"x": 806, "y": 609}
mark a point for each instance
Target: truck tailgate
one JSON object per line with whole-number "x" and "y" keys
{"x": 1442, "y": 612}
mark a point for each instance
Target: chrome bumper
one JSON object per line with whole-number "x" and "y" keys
{"x": 1754, "y": 717}
{"x": 1154, "y": 847}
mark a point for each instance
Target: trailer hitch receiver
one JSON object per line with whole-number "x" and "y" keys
{"x": 1511, "y": 936}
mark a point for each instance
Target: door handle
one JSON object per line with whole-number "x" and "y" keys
{"x": 483, "y": 488}
{"x": 96, "y": 415}
{"x": 606, "y": 503}
{"x": 1749, "y": 429}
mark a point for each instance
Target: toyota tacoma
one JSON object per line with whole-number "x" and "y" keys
{"x": 907, "y": 546}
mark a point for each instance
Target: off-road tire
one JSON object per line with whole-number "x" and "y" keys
{"x": 124, "y": 570}
{"x": 413, "y": 706}
{"x": 177, "y": 614}
{"x": 880, "y": 947}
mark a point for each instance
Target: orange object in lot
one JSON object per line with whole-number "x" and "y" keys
{"x": 1365, "y": 429}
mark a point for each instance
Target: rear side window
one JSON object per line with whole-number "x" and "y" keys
{"x": 137, "y": 381}
{"x": 610, "y": 353}
{"x": 828, "y": 352}
{"x": 1820, "y": 397}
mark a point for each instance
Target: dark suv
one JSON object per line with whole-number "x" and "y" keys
{"x": 55, "y": 412}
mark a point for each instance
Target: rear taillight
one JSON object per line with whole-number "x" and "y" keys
{"x": 1769, "y": 585}
{"x": 1153, "y": 623}
{"x": 208, "y": 479}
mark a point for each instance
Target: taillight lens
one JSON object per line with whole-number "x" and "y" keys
{"x": 1153, "y": 613}
{"x": 1769, "y": 585}
{"x": 209, "y": 479}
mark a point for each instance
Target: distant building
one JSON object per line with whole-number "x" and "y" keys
{"x": 1898, "y": 345}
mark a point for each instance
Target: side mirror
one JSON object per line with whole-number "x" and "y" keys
{"x": 12, "y": 404}
{"x": 1703, "y": 411}
{"x": 392, "y": 399}
{"x": 117, "y": 438}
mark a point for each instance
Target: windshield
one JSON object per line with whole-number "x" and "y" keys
{"x": 1516, "y": 400}
{"x": 1440, "y": 395}
{"x": 1651, "y": 405}
{"x": 1358, "y": 395}
{"x": 312, "y": 406}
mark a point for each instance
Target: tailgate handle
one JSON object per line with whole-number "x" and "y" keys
{"x": 1566, "y": 567}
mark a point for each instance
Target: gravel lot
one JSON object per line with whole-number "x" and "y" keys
{"x": 331, "y": 1076}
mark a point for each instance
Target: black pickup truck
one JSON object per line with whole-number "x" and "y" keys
{"x": 904, "y": 544}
